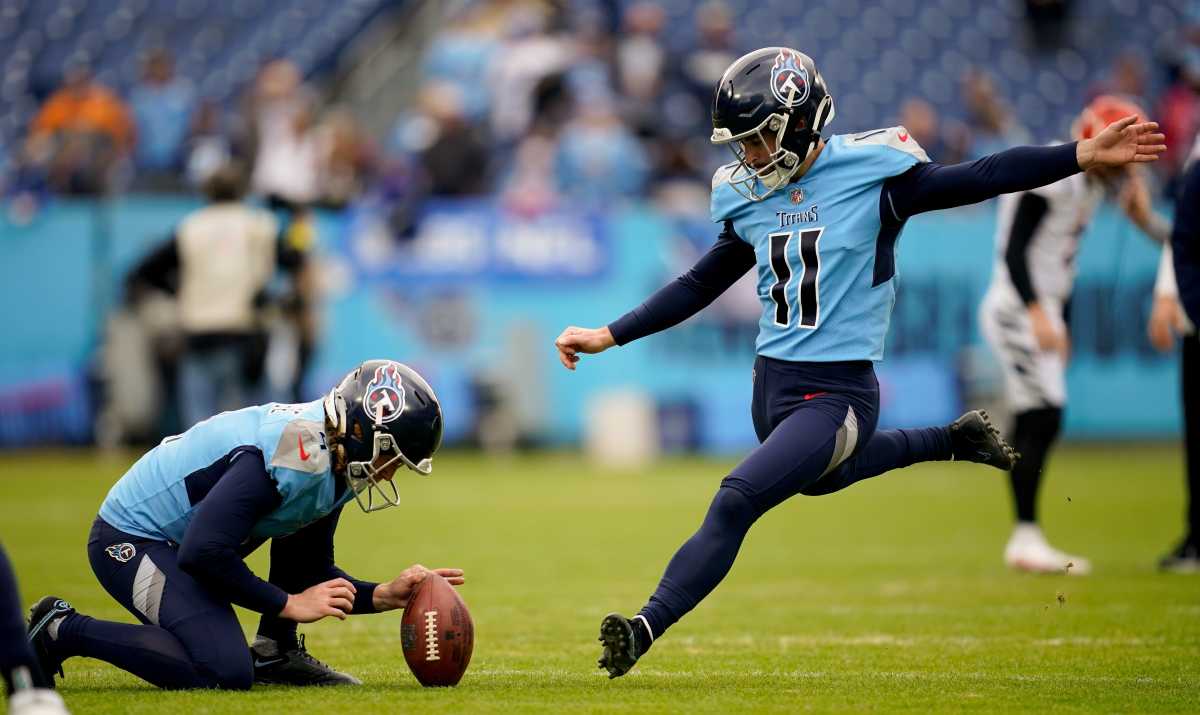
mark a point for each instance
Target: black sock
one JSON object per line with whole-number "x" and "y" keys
{"x": 1191, "y": 431}
{"x": 1034, "y": 432}
{"x": 280, "y": 630}
{"x": 642, "y": 637}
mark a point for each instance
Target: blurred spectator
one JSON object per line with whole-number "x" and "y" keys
{"x": 463, "y": 53}
{"x": 1047, "y": 21}
{"x": 943, "y": 144}
{"x": 529, "y": 54}
{"x": 452, "y": 155}
{"x": 345, "y": 157}
{"x": 598, "y": 159}
{"x": 162, "y": 107}
{"x": 701, "y": 68}
{"x": 208, "y": 146}
{"x": 80, "y": 135}
{"x": 224, "y": 255}
{"x": 1178, "y": 113}
{"x": 1125, "y": 78}
{"x": 992, "y": 126}
{"x": 286, "y": 157}
{"x": 641, "y": 58}
{"x": 641, "y": 63}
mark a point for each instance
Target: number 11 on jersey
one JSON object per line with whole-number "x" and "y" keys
{"x": 807, "y": 295}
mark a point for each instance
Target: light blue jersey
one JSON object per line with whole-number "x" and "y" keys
{"x": 825, "y": 261}
{"x": 158, "y": 495}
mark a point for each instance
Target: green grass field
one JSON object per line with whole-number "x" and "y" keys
{"x": 890, "y": 596}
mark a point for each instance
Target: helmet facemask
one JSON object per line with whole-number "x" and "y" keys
{"x": 781, "y": 163}
{"x": 793, "y": 146}
{"x": 363, "y": 476}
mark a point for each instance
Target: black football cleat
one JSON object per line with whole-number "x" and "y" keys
{"x": 620, "y": 645}
{"x": 1185, "y": 558}
{"x": 974, "y": 439}
{"x": 42, "y": 615}
{"x": 295, "y": 666}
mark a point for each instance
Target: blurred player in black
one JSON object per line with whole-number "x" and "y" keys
{"x": 27, "y": 687}
{"x": 1176, "y": 311}
{"x": 1024, "y": 317}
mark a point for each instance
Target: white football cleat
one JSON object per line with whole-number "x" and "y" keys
{"x": 37, "y": 701}
{"x": 1028, "y": 550}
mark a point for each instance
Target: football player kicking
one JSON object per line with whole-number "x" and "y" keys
{"x": 171, "y": 535}
{"x": 819, "y": 217}
{"x": 1024, "y": 317}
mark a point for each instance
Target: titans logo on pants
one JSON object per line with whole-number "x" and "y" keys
{"x": 121, "y": 552}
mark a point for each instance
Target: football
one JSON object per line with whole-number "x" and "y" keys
{"x": 436, "y": 633}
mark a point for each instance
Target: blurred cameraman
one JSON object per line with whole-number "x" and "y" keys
{"x": 224, "y": 255}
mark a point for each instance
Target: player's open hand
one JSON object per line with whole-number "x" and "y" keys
{"x": 331, "y": 598}
{"x": 395, "y": 593}
{"x": 588, "y": 341}
{"x": 1049, "y": 337}
{"x": 1166, "y": 322}
{"x": 1122, "y": 142}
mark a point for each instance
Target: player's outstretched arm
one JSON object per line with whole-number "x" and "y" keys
{"x": 727, "y": 261}
{"x": 394, "y": 594}
{"x": 931, "y": 187}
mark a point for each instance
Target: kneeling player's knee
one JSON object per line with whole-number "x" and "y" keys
{"x": 233, "y": 674}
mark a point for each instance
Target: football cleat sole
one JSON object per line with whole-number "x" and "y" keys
{"x": 975, "y": 439}
{"x": 620, "y": 649}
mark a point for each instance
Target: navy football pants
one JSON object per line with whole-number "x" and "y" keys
{"x": 816, "y": 423}
{"x": 189, "y": 637}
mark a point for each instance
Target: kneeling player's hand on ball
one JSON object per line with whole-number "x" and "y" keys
{"x": 588, "y": 341}
{"x": 331, "y": 598}
{"x": 395, "y": 593}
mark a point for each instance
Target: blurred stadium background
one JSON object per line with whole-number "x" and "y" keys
{"x": 452, "y": 183}
{"x": 461, "y": 180}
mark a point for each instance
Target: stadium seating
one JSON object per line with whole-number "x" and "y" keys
{"x": 872, "y": 52}
{"x": 218, "y": 46}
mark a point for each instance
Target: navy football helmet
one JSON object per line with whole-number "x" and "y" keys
{"x": 773, "y": 92}
{"x": 383, "y": 407}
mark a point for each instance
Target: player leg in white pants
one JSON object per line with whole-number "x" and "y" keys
{"x": 1035, "y": 388}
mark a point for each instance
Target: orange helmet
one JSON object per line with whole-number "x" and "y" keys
{"x": 1102, "y": 111}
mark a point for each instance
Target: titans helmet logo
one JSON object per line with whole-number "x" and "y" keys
{"x": 384, "y": 400}
{"x": 121, "y": 552}
{"x": 789, "y": 80}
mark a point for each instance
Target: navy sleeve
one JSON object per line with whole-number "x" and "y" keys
{"x": 726, "y": 262}
{"x": 307, "y": 557}
{"x": 222, "y": 522}
{"x": 1185, "y": 243}
{"x": 1031, "y": 209}
{"x": 930, "y": 187}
